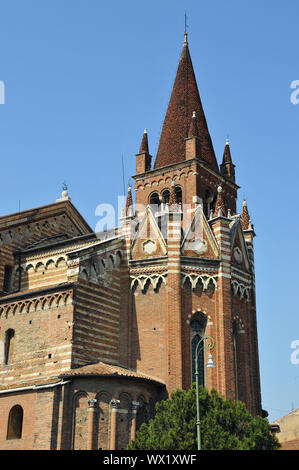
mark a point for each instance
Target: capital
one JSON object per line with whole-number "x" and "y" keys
{"x": 114, "y": 404}
{"x": 92, "y": 403}
{"x": 134, "y": 405}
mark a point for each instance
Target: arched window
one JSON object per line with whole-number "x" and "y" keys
{"x": 166, "y": 196}
{"x": 155, "y": 201}
{"x": 179, "y": 195}
{"x": 9, "y": 344}
{"x": 198, "y": 325}
{"x": 15, "y": 423}
{"x": 7, "y": 278}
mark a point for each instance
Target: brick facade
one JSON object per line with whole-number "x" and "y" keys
{"x": 95, "y": 328}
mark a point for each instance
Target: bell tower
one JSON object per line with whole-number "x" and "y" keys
{"x": 191, "y": 256}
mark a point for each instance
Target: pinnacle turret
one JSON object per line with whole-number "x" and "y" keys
{"x": 227, "y": 168}
{"x": 143, "y": 158}
{"x": 220, "y": 210}
{"x": 245, "y": 219}
{"x": 144, "y": 143}
{"x": 129, "y": 203}
{"x": 173, "y": 202}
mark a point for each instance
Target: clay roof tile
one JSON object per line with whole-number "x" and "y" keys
{"x": 184, "y": 100}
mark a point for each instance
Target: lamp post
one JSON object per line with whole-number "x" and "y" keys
{"x": 210, "y": 365}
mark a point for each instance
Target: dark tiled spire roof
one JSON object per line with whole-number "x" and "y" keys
{"x": 226, "y": 154}
{"x": 245, "y": 219}
{"x": 220, "y": 203}
{"x": 129, "y": 203}
{"x": 184, "y": 100}
{"x": 144, "y": 143}
{"x": 227, "y": 168}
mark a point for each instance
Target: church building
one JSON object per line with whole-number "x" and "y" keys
{"x": 95, "y": 328}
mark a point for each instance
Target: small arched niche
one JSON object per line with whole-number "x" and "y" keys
{"x": 15, "y": 423}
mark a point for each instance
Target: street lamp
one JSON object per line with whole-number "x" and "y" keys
{"x": 209, "y": 345}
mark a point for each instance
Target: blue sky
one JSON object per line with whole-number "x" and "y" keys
{"x": 84, "y": 78}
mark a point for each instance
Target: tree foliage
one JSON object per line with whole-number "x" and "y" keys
{"x": 224, "y": 425}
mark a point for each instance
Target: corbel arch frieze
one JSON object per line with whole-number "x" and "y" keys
{"x": 98, "y": 268}
{"x": 203, "y": 279}
{"x": 33, "y": 305}
{"x": 240, "y": 290}
{"x": 144, "y": 280}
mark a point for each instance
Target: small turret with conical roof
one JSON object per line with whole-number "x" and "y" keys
{"x": 227, "y": 168}
{"x": 173, "y": 202}
{"x": 129, "y": 203}
{"x": 220, "y": 210}
{"x": 144, "y": 143}
{"x": 245, "y": 219}
{"x": 143, "y": 158}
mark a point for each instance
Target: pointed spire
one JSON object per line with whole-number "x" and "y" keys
{"x": 144, "y": 143}
{"x": 143, "y": 158}
{"x": 173, "y": 203}
{"x": 129, "y": 203}
{"x": 184, "y": 100}
{"x": 220, "y": 210}
{"x": 226, "y": 154}
{"x": 245, "y": 219}
{"x": 227, "y": 168}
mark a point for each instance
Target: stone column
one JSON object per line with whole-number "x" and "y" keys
{"x": 91, "y": 423}
{"x": 114, "y": 405}
{"x": 135, "y": 405}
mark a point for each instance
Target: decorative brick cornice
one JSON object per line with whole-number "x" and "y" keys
{"x": 240, "y": 290}
{"x": 40, "y": 300}
{"x": 203, "y": 279}
{"x": 143, "y": 280}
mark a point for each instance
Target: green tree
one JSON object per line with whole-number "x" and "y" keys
{"x": 224, "y": 425}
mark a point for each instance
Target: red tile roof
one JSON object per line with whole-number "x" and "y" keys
{"x": 101, "y": 368}
{"x": 290, "y": 445}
